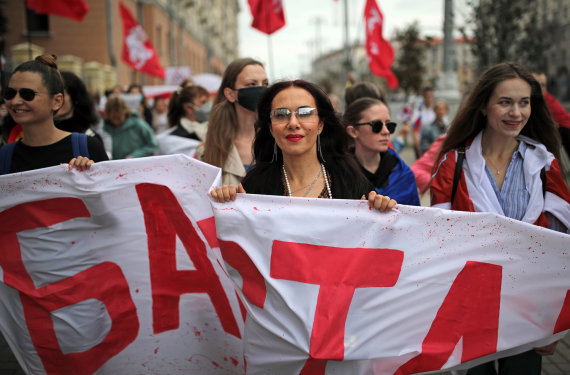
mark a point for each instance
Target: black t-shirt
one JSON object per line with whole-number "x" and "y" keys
{"x": 27, "y": 158}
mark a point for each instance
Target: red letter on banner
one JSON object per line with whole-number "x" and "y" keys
{"x": 164, "y": 220}
{"x": 470, "y": 310}
{"x": 104, "y": 282}
{"x": 253, "y": 283}
{"x": 339, "y": 272}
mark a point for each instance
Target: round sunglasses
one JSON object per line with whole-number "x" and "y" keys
{"x": 377, "y": 125}
{"x": 26, "y": 94}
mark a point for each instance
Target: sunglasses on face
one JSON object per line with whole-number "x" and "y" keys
{"x": 26, "y": 94}
{"x": 377, "y": 125}
{"x": 303, "y": 114}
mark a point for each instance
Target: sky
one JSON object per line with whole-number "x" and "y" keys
{"x": 308, "y": 21}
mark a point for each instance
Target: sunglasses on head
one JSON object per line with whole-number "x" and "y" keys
{"x": 377, "y": 125}
{"x": 26, "y": 94}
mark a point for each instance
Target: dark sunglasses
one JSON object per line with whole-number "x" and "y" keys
{"x": 377, "y": 125}
{"x": 26, "y": 94}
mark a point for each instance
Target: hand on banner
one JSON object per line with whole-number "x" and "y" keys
{"x": 380, "y": 202}
{"x": 82, "y": 163}
{"x": 226, "y": 193}
{"x": 547, "y": 350}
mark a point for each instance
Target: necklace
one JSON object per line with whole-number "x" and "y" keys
{"x": 487, "y": 159}
{"x": 322, "y": 171}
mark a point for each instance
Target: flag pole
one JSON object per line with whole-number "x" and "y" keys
{"x": 270, "y": 57}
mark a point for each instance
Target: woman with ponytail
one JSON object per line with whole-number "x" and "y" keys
{"x": 33, "y": 96}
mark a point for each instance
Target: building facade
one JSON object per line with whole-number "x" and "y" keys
{"x": 200, "y": 34}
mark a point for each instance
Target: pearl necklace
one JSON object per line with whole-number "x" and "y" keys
{"x": 323, "y": 172}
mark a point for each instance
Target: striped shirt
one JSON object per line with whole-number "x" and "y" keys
{"x": 514, "y": 196}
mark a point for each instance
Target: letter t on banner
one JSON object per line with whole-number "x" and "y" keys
{"x": 379, "y": 51}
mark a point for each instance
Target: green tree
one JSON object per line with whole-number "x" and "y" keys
{"x": 507, "y": 30}
{"x": 409, "y": 67}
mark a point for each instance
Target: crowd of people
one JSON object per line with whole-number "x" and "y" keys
{"x": 500, "y": 153}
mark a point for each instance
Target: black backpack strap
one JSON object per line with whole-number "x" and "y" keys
{"x": 79, "y": 145}
{"x": 6, "y": 153}
{"x": 543, "y": 179}
{"x": 457, "y": 174}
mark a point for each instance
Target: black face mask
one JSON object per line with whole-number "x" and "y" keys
{"x": 249, "y": 96}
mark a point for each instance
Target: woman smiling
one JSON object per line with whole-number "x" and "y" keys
{"x": 301, "y": 149}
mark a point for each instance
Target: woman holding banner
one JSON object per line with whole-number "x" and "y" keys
{"x": 33, "y": 96}
{"x": 501, "y": 157}
{"x": 231, "y": 124}
{"x": 367, "y": 121}
{"x": 301, "y": 149}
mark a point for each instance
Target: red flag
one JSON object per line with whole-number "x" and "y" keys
{"x": 138, "y": 52}
{"x": 75, "y": 9}
{"x": 268, "y": 15}
{"x": 379, "y": 50}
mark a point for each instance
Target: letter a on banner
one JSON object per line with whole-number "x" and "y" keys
{"x": 475, "y": 297}
{"x": 165, "y": 219}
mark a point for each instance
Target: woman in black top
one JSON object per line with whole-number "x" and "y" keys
{"x": 34, "y": 94}
{"x": 301, "y": 149}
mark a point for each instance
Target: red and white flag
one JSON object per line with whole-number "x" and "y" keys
{"x": 379, "y": 50}
{"x": 268, "y": 15}
{"x": 138, "y": 52}
{"x": 74, "y": 9}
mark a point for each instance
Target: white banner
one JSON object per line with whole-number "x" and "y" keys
{"x": 118, "y": 270}
{"x": 108, "y": 272}
{"x": 334, "y": 287}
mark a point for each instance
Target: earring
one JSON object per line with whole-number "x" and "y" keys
{"x": 319, "y": 148}
{"x": 274, "y": 152}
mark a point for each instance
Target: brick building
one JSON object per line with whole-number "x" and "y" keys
{"x": 201, "y": 34}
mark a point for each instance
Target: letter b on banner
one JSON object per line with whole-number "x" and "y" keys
{"x": 104, "y": 282}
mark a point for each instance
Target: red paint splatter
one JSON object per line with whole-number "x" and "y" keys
{"x": 136, "y": 290}
{"x": 73, "y": 242}
{"x": 156, "y": 351}
{"x": 235, "y": 362}
{"x": 196, "y": 332}
{"x": 255, "y": 208}
{"x": 215, "y": 364}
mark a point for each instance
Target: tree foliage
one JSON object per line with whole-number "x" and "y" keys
{"x": 507, "y": 30}
{"x": 409, "y": 67}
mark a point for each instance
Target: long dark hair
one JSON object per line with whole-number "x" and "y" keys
{"x": 84, "y": 114}
{"x": 348, "y": 181}
{"x": 470, "y": 120}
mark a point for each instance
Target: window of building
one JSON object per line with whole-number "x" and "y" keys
{"x": 36, "y": 24}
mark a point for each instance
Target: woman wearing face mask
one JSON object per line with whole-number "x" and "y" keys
{"x": 188, "y": 112}
{"x": 367, "y": 121}
{"x": 231, "y": 125}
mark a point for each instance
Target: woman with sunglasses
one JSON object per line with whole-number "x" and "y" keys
{"x": 301, "y": 149}
{"x": 231, "y": 122}
{"x": 367, "y": 121}
{"x": 500, "y": 155}
{"x": 33, "y": 95}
